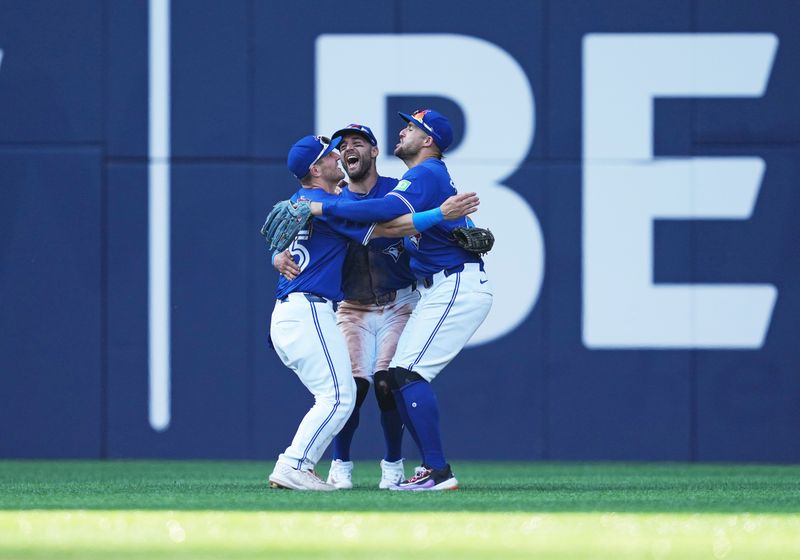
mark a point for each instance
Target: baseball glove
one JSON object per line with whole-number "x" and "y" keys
{"x": 284, "y": 222}
{"x": 474, "y": 239}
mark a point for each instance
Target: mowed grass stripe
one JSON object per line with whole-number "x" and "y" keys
{"x": 498, "y": 487}
{"x": 193, "y": 509}
{"x": 203, "y": 534}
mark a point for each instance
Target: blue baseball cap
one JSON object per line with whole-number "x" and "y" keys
{"x": 434, "y": 124}
{"x": 307, "y": 151}
{"x": 365, "y": 131}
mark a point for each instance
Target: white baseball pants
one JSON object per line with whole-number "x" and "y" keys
{"x": 308, "y": 342}
{"x": 449, "y": 312}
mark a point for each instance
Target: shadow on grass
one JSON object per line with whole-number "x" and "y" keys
{"x": 486, "y": 487}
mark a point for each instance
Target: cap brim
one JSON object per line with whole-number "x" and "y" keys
{"x": 406, "y": 117}
{"x": 342, "y": 132}
{"x": 332, "y": 146}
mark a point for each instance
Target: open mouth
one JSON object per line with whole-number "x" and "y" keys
{"x": 351, "y": 161}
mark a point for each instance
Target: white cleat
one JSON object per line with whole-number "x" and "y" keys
{"x": 286, "y": 477}
{"x": 341, "y": 474}
{"x": 392, "y": 474}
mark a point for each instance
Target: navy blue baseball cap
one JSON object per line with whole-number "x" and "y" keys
{"x": 307, "y": 151}
{"x": 434, "y": 124}
{"x": 361, "y": 129}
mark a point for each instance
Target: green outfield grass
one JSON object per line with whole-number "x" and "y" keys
{"x": 155, "y": 510}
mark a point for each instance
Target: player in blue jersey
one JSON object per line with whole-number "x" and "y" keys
{"x": 455, "y": 293}
{"x": 303, "y": 326}
{"x": 379, "y": 296}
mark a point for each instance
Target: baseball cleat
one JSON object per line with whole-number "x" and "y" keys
{"x": 286, "y": 477}
{"x": 341, "y": 474}
{"x": 392, "y": 474}
{"x": 426, "y": 479}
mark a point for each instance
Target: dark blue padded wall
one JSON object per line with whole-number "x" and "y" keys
{"x": 74, "y": 215}
{"x": 53, "y": 397}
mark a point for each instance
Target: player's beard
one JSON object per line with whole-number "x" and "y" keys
{"x": 333, "y": 175}
{"x": 360, "y": 171}
{"x": 405, "y": 152}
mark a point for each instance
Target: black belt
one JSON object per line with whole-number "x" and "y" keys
{"x": 428, "y": 280}
{"x": 313, "y": 298}
{"x": 382, "y": 299}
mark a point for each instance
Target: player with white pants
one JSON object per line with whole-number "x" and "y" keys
{"x": 455, "y": 293}
{"x": 322, "y": 364}
{"x": 303, "y": 327}
{"x": 454, "y": 307}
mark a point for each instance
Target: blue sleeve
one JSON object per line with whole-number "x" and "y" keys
{"x": 366, "y": 211}
{"x": 418, "y": 190}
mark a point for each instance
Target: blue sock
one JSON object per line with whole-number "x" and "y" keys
{"x": 343, "y": 440}
{"x": 422, "y": 408}
{"x": 392, "y": 425}
{"x": 401, "y": 410}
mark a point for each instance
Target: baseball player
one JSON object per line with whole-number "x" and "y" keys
{"x": 303, "y": 326}
{"x": 455, "y": 293}
{"x": 379, "y": 296}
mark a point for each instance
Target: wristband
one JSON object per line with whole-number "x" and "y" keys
{"x": 427, "y": 219}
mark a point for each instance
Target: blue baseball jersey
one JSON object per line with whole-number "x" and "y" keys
{"x": 423, "y": 187}
{"x": 381, "y": 267}
{"x": 320, "y": 251}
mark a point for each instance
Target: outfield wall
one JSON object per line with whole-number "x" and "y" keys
{"x": 638, "y": 162}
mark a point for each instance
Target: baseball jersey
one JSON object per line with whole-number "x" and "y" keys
{"x": 320, "y": 250}
{"x": 423, "y": 187}
{"x": 381, "y": 267}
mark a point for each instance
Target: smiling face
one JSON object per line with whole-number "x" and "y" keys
{"x": 329, "y": 171}
{"x": 358, "y": 155}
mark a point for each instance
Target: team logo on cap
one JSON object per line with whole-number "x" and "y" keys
{"x": 419, "y": 116}
{"x": 361, "y": 128}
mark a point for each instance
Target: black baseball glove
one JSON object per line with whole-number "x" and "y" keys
{"x": 474, "y": 239}
{"x": 284, "y": 222}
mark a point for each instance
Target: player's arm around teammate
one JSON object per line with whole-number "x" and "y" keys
{"x": 455, "y": 296}
{"x": 455, "y": 207}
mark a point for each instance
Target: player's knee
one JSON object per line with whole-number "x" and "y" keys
{"x": 362, "y": 389}
{"x": 403, "y": 377}
{"x": 384, "y": 385}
